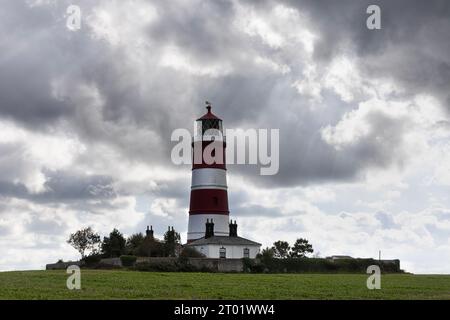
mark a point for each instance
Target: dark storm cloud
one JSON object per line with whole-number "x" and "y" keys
{"x": 306, "y": 158}
{"x": 62, "y": 187}
{"x": 16, "y": 190}
{"x": 412, "y": 46}
{"x": 31, "y": 57}
{"x": 171, "y": 189}
{"x": 68, "y": 186}
{"x": 139, "y": 113}
{"x": 198, "y": 30}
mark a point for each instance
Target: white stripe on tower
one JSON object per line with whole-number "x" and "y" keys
{"x": 209, "y": 178}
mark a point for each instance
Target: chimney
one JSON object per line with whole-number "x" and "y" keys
{"x": 233, "y": 228}
{"x": 209, "y": 231}
{"x": 149, "y": 232}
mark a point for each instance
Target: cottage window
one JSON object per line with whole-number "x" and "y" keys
{"x": 222, "y": 253}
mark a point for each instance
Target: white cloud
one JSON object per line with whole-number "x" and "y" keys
{"x": 174, "y": 57}
{"x": 32, "y": 152}
{"x": 121, "y": 22}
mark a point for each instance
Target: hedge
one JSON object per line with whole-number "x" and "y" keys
{"x": 128, "y": 261}
{"x": 179, "y": 265}
{"x": 294, "y": 265}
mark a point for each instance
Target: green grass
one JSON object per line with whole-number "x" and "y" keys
{"x": 108, "y": 284}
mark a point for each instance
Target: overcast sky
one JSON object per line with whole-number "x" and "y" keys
{"x": 364, "y": 118}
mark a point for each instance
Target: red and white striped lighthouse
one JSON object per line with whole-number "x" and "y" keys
{"x": 209, "y": 198}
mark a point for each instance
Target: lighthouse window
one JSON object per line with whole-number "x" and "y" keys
{"x": 246, "y": 253}
{"x": 216, "y": 201}
{"x": 211, "y": 124}
{"x": 222, "y": 253}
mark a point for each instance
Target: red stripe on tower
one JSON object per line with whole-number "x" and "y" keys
{"x": 209, "y": 198}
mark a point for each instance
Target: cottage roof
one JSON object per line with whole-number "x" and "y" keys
{"x": 224, "y": 240}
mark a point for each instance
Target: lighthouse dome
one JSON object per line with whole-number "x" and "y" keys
{"x": 209, "y": 115}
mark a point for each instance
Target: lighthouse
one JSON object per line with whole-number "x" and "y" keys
{"x": 210, "y": 230}
{"x": 209, "y": 197}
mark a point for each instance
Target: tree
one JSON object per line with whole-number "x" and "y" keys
{"x": 190, "y": 252}
{"x": 266, "y": 254}
{"x": 84, "y": 239}
{"x": 171, "y": 240}
{"x": 133, "y": 243}
{"x": 114, "y": 245}
{"x": 301, "y": 248}
{"x": 151, "y": 247}
{"x": 281, "y": 249}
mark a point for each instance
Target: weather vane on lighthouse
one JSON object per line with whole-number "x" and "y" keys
{"x": 208, "y": 105}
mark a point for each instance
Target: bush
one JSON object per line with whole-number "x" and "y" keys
{"x": 106, "y": 266}
{"x": 190, "y": 252}
{"x": 158, "y": 266}
{"x": 248, "y": 264}
{"x": 181, "y": 264}
{"x": 185, "y": 267}
{"x": 92, "y": 260}
{"x": 150, "y": 247}
{"x": 206, "y": 269}
{"x": 128, "y": 261}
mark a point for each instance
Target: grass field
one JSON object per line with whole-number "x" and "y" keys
{"x": 106, "y": 284}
